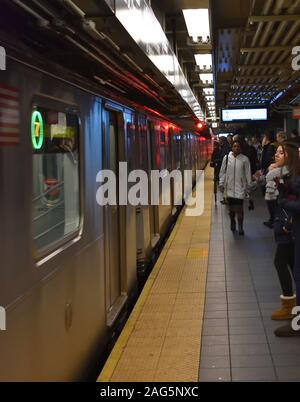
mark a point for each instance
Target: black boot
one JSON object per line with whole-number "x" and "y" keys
{"x": 287, "y": 331}
{"x": 241, "y": 227}
{"x": 232, "y": 222}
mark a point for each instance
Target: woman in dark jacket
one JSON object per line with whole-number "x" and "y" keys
{"x": 284, "y": 258}
{"x": 290, "y": 202}
{"x": 268, "y": 152}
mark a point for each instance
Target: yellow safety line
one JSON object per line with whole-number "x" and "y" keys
{"x": 193, "y": 253}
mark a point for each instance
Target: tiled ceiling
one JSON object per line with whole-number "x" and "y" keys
{"x": 255, "y": 64}
{"x": 252, "y": 46}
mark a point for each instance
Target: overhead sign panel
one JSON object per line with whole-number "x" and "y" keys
{"x": 240, "y": 115}
{"x": 140, "y": 22}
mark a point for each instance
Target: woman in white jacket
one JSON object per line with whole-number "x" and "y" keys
{"x": 235, "y": 181}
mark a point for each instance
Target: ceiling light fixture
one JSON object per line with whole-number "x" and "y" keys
{"x": 197, "y": 23}
{"x": 204, "y": 61}
{"x": 209, "y": 91}
{"x": 207, "y": 78}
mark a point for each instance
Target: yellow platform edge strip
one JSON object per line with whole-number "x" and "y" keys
{"x": 115, "y": 355}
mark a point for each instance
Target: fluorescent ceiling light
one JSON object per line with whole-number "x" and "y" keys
{"x": 163, "y": 62}
{"x": 197, "y": 23}
{"x": 209, "y": 91}
{"x": 207, "y": 78}
{"x": 184, "y": 92}
{"x": 204, "y": 61}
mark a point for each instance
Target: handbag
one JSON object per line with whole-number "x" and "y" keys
{"x": 283, "y": 227}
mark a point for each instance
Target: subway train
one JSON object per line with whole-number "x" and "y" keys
{"x": 69, "y": 267}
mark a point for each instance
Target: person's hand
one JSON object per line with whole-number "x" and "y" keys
{"x": 273, "y": 166}
{"x": 222, "y": 189}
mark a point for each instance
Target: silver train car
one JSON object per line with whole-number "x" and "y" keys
{"x": 69, "y": 267}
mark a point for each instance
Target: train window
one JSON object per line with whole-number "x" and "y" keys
{"x": 131, "y": 146}
{"x": 56, "y": 196}
{"x": 162, "y": 138}
{"x": 177, "y": 152}
{"x": 143, "y": 148}
{"x": 163, "y": 151}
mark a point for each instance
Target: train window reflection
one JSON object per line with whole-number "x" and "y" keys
{"x": 163, "y": 151}
{"x": 56, "y": 198}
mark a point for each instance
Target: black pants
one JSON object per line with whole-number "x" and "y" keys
{"x": 236, "y": 207}
{"x": 272, "y": 207}
{"x": 284, "y": 258}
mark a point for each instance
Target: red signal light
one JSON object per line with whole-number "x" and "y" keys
{"x": 200, "y": 126}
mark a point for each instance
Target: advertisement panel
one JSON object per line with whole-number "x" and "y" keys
{"x": 239, "y": 115}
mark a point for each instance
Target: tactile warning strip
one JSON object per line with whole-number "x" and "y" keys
{"x": 161, "y": 341}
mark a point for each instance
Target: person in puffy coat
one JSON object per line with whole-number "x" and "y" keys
{"x": 235, "y": 182}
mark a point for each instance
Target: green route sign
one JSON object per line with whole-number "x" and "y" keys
{"x": 37, "y": 130}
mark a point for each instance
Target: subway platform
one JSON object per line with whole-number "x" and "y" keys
{"x": 204, "y": 313}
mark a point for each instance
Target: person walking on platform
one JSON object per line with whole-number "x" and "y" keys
{"x": 284, "y": 257}
{"x": 230, "y": 140}
{"x": 281, "y": 137}
{"x": 258, "y": 147}
{"x": 289, "y": 200}
{"x": 224, "y": 151}
{"x": 235, "y": 180}
{"x": 268, "y": 154}
{"x": 219, "y": 154}
{"x": 295, "y": 137}
{"x": 250, "y": 152}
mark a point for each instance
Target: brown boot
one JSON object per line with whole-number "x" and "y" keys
{"x": 285, "y": 312}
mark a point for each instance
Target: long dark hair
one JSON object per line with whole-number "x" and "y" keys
{"x": 293, "y": 160}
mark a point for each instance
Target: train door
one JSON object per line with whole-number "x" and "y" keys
{"x": 153, "y": 210}
{"x": 176, "y": 145}
{"x": 113, "y": 149}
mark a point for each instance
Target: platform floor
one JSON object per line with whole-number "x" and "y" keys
{"x": 204, "y": 314}
{"x": 238, "y": 343}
